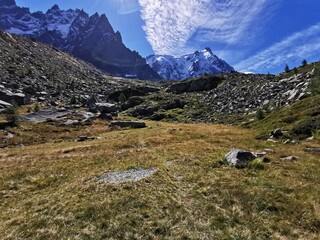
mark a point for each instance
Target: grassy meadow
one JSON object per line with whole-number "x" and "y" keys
{"x": 48, "y": 188}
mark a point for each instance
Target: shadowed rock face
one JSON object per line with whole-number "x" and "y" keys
{"x": 90, "y": 38}
{"x": 201, "y": 84}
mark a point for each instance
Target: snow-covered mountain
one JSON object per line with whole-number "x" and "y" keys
{"x": 90, "y": 38}
{"x": 188, "y": 66}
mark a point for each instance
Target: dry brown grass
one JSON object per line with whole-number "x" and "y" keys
{"x": 47, "y": 191}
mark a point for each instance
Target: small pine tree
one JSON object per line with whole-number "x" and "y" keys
{"x": 295, "y": 70}
{"x": 12, "y": 115}
{"x": 286, "y": 68}
{"x": 304, "y": 63}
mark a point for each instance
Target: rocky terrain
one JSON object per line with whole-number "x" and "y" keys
{"x": 32, "y": 72}
{"x": 90, "y": 38}
{"x": 222, "y": 97}
{"x": 188, "y": 66}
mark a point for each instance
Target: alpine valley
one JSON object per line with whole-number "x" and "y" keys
{"x": 190, "y": 150}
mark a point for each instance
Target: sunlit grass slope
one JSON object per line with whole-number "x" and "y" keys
{"x": 48, "y": 190}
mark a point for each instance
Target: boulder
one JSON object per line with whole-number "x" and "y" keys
{"x": 18, "y": 98}
{"x": 5, "y": 104}
{"x": 127, "y": 124}
{"x": 237, "y": 157}
{"x": 195, "y": 85}
{"x": 132, "y": 102}
{"x": 277, "y": 133}
{"x": 106, "y": 107}
{"x": 29, "y": 90}
{"x": 105, "y": 116}
{"x": 143, "y": 111}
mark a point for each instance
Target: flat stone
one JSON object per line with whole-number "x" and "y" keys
{"x": 132, "y": 175}
{"x": 290, "y": 158}
{"x": 43, "y": 116}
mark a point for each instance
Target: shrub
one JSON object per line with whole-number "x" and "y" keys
{"x": 307, "y": 127}
{"x": 260, "y": 114}
{"x": 12, "y": 115}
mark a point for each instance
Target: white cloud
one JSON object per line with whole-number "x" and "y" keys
{"x": 170, "y": 24}
{"x": 296, "y": 47}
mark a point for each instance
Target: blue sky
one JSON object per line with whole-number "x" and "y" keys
{"x": 252, "y": 35}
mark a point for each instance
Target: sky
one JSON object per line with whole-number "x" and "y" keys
{"x": 260, "y": 36}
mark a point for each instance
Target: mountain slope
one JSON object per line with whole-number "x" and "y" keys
{"x": 90, "y": 38}
{"x": 188, "y": 66}
{"x": 45, "y": 74}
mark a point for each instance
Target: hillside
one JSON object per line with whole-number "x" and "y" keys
{"x": 42, "y": 73}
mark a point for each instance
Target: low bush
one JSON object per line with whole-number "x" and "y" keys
{"x": 12, "y": 116}
{"x": 307, "y": 127}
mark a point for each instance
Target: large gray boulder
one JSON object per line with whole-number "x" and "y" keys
{"x": 237, "y": 157}
{"x": 106, "y": 107}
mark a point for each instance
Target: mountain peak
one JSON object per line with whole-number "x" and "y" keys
{"x": 7, "y": 3}
{"x": 188, "y": 66}
{"x": 55, "y": 7}
{"x": 208, "y": 50}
